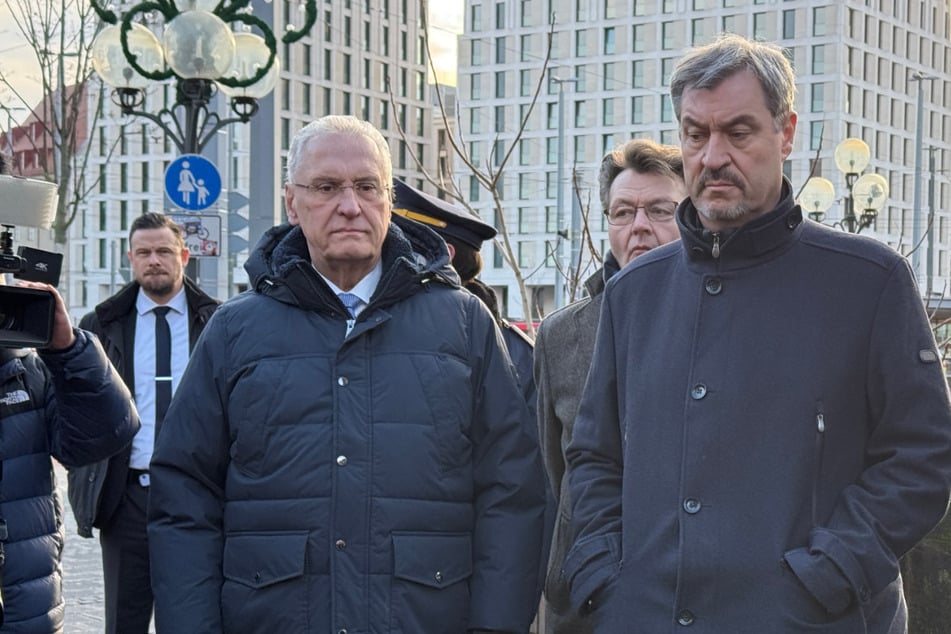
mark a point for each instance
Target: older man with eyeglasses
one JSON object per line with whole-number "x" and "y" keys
{"x": 641, "y": 183}
{"x": 348, "y": 451}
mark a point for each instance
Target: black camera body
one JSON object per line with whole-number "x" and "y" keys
{"x": 26, "y": 314}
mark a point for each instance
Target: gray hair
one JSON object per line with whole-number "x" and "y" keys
{"x": 706, "y": 66}
{"x": 340, "y": 124}
{"x": 644, "y": 156}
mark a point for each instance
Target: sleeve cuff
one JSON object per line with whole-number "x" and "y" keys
{"x": 589, "y": 566}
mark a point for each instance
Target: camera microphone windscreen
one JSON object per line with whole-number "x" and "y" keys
{"x": 27, "y": 202}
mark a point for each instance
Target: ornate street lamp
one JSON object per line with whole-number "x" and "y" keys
{"x": 201, "y": 52}
{"x": 870, "y": 191}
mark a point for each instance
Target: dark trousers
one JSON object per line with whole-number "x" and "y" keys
{"x": 125, "y": 563}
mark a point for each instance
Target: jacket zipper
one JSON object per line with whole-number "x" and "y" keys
{"x": 820, "y": 445}
{"x": 715, "y": 252}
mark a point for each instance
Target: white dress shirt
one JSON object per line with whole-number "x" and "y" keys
{"x": 144, "y": 359}
{"x": 364, "y": 288}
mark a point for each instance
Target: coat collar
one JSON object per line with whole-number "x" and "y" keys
{"x": 770, "y": 233}
{"x": 595, "y": 283}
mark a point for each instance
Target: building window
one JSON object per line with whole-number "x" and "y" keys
{"x": 475, "y": 52}
{"x": 608, "y": 73}
{"x": 475, "y": 123}
{"x": 579, "y": 118}
{"x": 499, "y": 118}
{"x": 581, "y": 43}
{"x": 475, "y": 86}
{"x": 607, "y": 114}
{"x": 609, "y": 40}
{"x": 524, "y": 153}
{"x": 637, "y": 110}
{"x": 639, "y": 37}
{"x": 668, "y": 30}
{"x": 525, "y": 47}
{"x": 500, "y": 84}
{"x": 499, "y": 15}
{"x": 818, "y": 98}
{"x": 666, "y": 109}
{"x": 551, "y": 115}
{"x": 525, "y": 83}
{"x": 759, "y": 26}
{"x": 815, "y": 135}
{"x": 500, "y": 50}
{"x": 789, "y": 24}
{"x": 475, "y": 17}
{"x": 818, "y": 59}
{"x": 551, "y": 150}
{"x": 819, "y": 26}
{"x": 637, "y": 73}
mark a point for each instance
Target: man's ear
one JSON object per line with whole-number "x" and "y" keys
{"x": 452, "y": 251}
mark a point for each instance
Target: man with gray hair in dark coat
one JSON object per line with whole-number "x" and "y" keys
{"x": 766, "y": 428}
{"x": 348, "y": 451}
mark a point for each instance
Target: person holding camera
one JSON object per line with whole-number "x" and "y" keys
{"x": 64, "y": 402}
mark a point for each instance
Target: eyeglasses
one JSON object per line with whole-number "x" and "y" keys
{"x": 662, "y": 211}
{"x": 369, "y": 191}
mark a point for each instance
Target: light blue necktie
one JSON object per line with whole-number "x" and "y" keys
{"x": 351, "y": 301}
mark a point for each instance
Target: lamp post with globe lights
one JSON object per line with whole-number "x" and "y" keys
{"x": 868, "y": 192}
{"x": 198, "y": 49}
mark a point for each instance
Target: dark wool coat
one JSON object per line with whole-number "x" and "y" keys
{"x": 96, "y": 490}
{"x": 381, "y": 481}
{"x": 69, "y": 405}
{"x": 777, "y": 402}
{"x": 563, "y": 350}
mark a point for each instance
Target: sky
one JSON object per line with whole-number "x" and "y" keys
{"x": 18, "y": 62}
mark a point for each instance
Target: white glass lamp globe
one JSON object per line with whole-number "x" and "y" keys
{"x": 199, "y": 45}
{"x": 251, "y": 54}
{"x": 109, "y": 60}
{"x": 852, "y": 156}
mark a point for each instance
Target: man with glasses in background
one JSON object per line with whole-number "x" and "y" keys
{"x": 640, "y": 184}
{"x": 348, "y": 451}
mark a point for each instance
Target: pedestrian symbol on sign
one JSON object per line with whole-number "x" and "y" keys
{"x": 192, "y": 182}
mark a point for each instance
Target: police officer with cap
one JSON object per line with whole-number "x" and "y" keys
{"x": 464, "y": 233}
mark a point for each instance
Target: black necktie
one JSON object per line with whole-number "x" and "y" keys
{"x": 163, "y": 363}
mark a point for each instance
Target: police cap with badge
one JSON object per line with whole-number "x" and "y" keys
{"x": 445, "y": 219}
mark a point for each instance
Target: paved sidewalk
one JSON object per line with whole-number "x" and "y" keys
{"x": 82, "y": 574}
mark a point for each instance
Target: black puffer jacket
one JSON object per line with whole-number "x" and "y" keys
{"x": 70, "y": 405}
{"x": 376, "y": 482}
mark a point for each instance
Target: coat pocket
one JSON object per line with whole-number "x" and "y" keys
{"x": 430, "y": 587}
{"x": 264, "y": 584}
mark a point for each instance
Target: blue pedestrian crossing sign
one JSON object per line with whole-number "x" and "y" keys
{"x": 192, "y": 182}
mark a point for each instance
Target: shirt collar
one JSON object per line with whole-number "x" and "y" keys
{"x": 364, "y": 288}
{"x": 144, "y": 303}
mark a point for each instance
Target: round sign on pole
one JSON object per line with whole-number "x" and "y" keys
{"x": 192, "y": 182}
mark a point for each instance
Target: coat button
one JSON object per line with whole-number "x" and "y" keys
{"x": 438, "y": 577}
{"x": 342, "y": 461}
{"x": 342, "y": 381}
{"x": 685, "y": 617}
{"x": 698, "y": 392}
{"x": 342, "y": 631}
{"x": 714, "y": 286}
{"x": 692, "y": 505}
{"x": 340, "y": 544}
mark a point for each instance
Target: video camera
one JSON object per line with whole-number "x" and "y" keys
{"x": 26, "y": 314}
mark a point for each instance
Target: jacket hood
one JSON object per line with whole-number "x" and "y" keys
{"x": 412, "y": 255}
